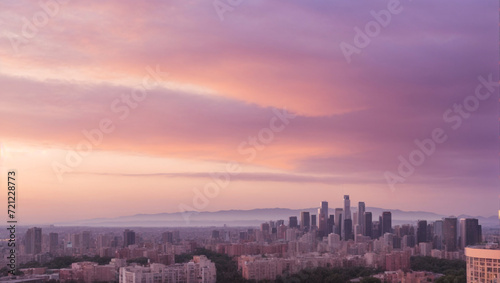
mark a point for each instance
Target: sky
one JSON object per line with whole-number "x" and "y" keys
{"x": 111, "y": 108}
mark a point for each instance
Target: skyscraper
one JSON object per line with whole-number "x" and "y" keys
{"x": 128, "y": 238}
{"x": 33, "y": 241}
{"x": 376, "y": 229}
{"x": 361, "y": 216}
{"x": 292, "y": 222}
{"x": 438, "y": 234}
{"x": 347, "y": 207}
{"x": 438, "y": 228}
{"x": 323, "y": 219}
{"x": 338, "y": 221}
{"x": 167, "y": 237}
{"x": 386, "y": 222}
{"x": 53, "y": 243}
{"x": 430, "y": 232}
{"x": 368, "y": 224}
{"x": 85, "y": 241}
{"x": 76, "y": 241}
{"x": 305, "y": 221}
{"x": 265, "y": 227}
{"x": 348, "y": 235}
{"x": 461, "y": 230}
{"x": 380, "y": 228}
{"x": 313, "y": 221}
{"x": 421, "y": 231}
{"x": 450, "y": 234}
{"x": 103, "y": 241}
{"x": 469, "y": 232}
{"x": 331, "y": 224}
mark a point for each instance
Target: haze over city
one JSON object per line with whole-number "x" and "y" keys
{"x": 118, "y": 108}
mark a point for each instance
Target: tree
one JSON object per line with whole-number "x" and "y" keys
{"x": 370, "y": 280}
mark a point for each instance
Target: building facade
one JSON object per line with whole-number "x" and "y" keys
{"x": 483, "y": 263}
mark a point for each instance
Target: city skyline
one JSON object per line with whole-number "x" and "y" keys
{"x": 140, "y": 254}
{"x": 239, "y": 217}
{"x": 123, "y": 108}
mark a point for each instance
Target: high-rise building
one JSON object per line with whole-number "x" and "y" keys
{"x": 323, "y": 219}
{"x": 438, "y": 234}
{"x": 103, "y": 241}
{"x": 380, "y": 228}
{"x": 216, "y": 234}
{"x": 386, "y": 222}
{"x": 85, "y": 241}
{"x": 438, "y": 228}
{"x": 405, "y": 230}
{"x": 313, "y": 221}
{"x": 272, "y": 224}
{"x": 264, "y": 227}
{"x": 361, "y": 216}
{"x": 292, "y": 222}
{"x": 167, "y": 237}
{"x": 450, "y": 234}
{"x": 128, "y": 238}
{"x": 396, "y": 230}
{"x": 376, "y": 229}
{"x": 421, "y": 231}
{"x": 33, "y": 241}
{"x": 339, "y": 221}
{"x": 347, "y": 207}
{"x": 430, "y": 232}
{"x": 469, "y": 232}
{"x": 357, "y": 232}
{"x": 76, "y": 241}
{"x": 348, "y": 235}
{"x": 331, "y": 224}
{"x": 461, "y": 231}
{"x": 396, "y": 242}
{"x": 53, "y": 243}
{"x": 368, "y": 224}
{"x": 480, "y": 235}
{"x": 305, "y": 221}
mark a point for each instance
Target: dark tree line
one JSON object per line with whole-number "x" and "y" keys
{"x": 66, "y": 261}
{"x": 322, "y": 274}
{"x": 454, "y": 270}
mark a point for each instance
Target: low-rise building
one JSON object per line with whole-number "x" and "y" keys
{"x": 198, "y": 270}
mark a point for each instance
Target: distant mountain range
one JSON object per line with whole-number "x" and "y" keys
{"x": 253, "y": 217}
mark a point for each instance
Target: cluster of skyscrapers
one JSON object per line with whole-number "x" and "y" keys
{"x": 344, "y": 223}
{"x": 447, "y": 234}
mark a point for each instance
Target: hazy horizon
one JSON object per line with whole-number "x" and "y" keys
{"x": 420, "y": 216}
{"x": 120, "y": 108}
